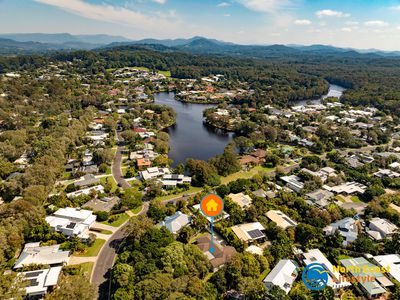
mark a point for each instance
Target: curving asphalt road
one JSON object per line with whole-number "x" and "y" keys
{"x": 102, "y": 272}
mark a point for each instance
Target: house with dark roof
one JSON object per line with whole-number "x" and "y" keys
{"x": 221, "y": 254}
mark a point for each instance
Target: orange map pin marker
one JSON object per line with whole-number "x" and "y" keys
{"x": 212, "y": 205}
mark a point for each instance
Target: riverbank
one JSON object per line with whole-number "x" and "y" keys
{"x": 194, "y": 101}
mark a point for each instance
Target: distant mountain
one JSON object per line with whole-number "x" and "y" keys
{"x": 201, "y": 45}
{"x": 9, "y": 47}
{"x": 168, "y": 42}
{"x": 28, "y": 43}
{"x": 65, "y": 38}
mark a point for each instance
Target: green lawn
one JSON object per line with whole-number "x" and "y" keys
{"x": 102, "y": 231}
{"x": 165, "y": 73}
{"x": 92, "y": 250}
{"x": 142, "y": 68}
{"x": 103, "y": 180}
{"x": 337, "y": 197}
{"x": 356, "y": 199}
{"x": 87, "y": 268}
{"x": 109, "y": 171}
{"x": 136, "y": 210}
{"x": 191, "y": 190}
{"x": 245, "y": 174}
{"x": 263, "y": 275}
{"x": 343, "y": 256}
{"x": 118, "y": 222}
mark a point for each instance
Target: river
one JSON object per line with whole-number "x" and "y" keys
{"x": 334, "y": 91}
{"x": 190, "y": 138}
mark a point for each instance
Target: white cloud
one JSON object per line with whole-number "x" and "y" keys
{"x": 227, "y": 15}
{"x": 347, "y": 29}
{"x": 351, "y": 23}
{"x": 159, "y": 1}
{"x": 157, "y": 22}
{"x": 395, "y": 7}
{"x": 376, "y": 23}
{"x": 267, "y": 6}
{"x": 302, "y": 22}
{"x": 223, "y": 4}
{"x": 331, "y": 13}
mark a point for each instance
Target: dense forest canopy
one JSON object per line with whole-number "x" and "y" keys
{"x": 371, "y": 80}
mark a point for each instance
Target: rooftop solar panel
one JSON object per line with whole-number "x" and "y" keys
{"x": 33, "y": 274}
{"x": 71, "y": 225}
{"x": 255, "y": 234}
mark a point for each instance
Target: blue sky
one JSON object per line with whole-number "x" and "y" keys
{"x": 347, "y": 23}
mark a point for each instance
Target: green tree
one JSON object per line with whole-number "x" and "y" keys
{"x": 73, "y": 287}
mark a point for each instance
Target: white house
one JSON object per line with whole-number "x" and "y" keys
{"x": 315, "y": 255}
{"x": 172, "y": 180}
{"x": 39, "y": 282}
{"x": 392, "y": 261}
{"x": 348, "y": 188}
{"x": 176, "y": 222}
{"x": 283, "y": 275}
{"x": 154, "y": 172}
{"x": 381, "y": 228}
{"x": 293, "y": 182}
{"x": 72, "y": 221}
{"x": 87, "y": 191}
{"x": 33, "y": 253}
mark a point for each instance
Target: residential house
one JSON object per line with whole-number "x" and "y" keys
{"x": 221, "y": 254}
{"x": 249, "y": 232}
{"x": 347, "y": 228}
{"x": 176, "y": 222}
{"x": 354, "y": 162}
{"x": 293, "y": 182}
{"x": 283, "y": 275}
{"x": 315, "y": 255}
{"x": 102, "y": 204}
{"x": 143, "y": 163}
{"x": 149, "y": 154}
{"x": 173, "y": 180}
{"x": 147, "y": 134}
{"x": 246, "y": 160}
{"x": 154, "y": 173}
{"x": 348, "y": 188}
{"x": 72, "y": 165}
{"x": 72, "y": 221}
{"x": 391, "y": 262}
{"x": 356, "y": 267}
{"x": 281, "y": 220}
{"x": 381, "y": 228}
{"x": 33, "y": 253}
{"x": 264, "y": 194}
{"x": 87, "y": 191}
{"x": 387, "y": 173}
{"x": 319, "y": 198}
{"x": 39, "y": 282}
{"x": 244, "y": 201}
{"x": 87, "y": 180}
{"x": 395, "y": 166}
